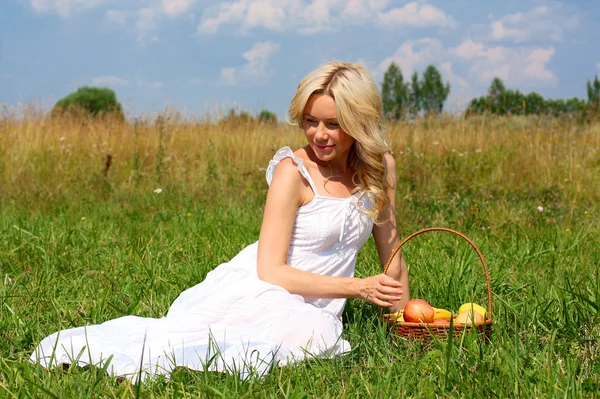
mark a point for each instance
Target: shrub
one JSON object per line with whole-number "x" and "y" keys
{"x": 267, "y": 116}
{"x": 90, "y": 101}
{"x": 234, "y": 116}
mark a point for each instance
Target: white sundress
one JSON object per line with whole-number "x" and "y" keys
{"x": 233, "y": 321}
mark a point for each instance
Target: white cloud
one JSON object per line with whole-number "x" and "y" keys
{"x": 414, "y": 55}
{"x": 524, "y": 66}
{"x": 176, "y": 7}
{"x": 264, "y": 14}
{"x": 111, "y": 81}
{"x": 316, "y": 17}
{"x": 115, "y": 81}
{"x": 228, "y": 76}
{"x": 358, "y": 9}
{"x": 469, "y": 49}
{"x": 116, "y": 16}
{"x": 147, "y": 23}
{"x": 149, "y": 85}
{"x": 543, "y": 23}
{"x": 64, "y": 8}
{"x": 515, "y": 65}
{"x": 256, "y": 70}
{"x": 416, "y": 14}
{"x": 448, "y": 74}
{"x": 312, "y": 16}
{"x": 232, "y": 12}
{"x": 536, "y": 62}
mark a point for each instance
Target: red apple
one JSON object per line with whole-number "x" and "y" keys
{"x": 418, "y": 310}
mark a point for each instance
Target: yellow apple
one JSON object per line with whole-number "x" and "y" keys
{"x": 478, "y": 308}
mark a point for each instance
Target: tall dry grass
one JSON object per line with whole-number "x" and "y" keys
{"x": 46, "y": 159}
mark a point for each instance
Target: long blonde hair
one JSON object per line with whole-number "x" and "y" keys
{"x": 359, "y": 110}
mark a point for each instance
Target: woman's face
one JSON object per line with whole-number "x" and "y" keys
{"x": 325, "y": 136}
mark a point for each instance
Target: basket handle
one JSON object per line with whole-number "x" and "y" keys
{"x": 485, "y": 268}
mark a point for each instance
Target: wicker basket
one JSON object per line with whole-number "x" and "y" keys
{"x": 425, "y": 331}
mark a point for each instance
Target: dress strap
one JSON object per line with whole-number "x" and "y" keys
{"x": 280, "y": 155}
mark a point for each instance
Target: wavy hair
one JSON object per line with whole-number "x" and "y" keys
{"x": 359, "y": 111}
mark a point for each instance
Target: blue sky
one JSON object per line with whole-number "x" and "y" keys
{"x": 198, "y": 55}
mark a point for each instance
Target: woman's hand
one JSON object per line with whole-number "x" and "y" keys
{"x": 380, "y": 290}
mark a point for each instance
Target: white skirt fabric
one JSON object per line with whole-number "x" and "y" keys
{"x": 231, "y": 322}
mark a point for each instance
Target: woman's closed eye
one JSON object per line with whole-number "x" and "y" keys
{"x": 314, "y": 122}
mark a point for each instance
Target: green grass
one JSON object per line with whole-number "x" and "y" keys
{"x": 78, "y": 264}
{"x": 84, "y": 254}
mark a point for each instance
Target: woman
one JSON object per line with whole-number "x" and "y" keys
{"x": 280, "y": 299}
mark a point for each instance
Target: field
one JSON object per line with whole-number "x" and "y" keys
{"x": 104, "y": 219}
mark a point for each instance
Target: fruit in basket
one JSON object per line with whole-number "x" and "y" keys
{"x": 478, "y": 308}
{"x": 396, "y": 316}
{"x": 469, "y": 317}
{"x": 441, "y": 314}
{"x": 418, "y": 310}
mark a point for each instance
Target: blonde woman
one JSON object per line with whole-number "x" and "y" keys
{"x": 280, "y": 299}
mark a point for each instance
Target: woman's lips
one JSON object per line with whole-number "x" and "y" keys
{"x": 324, "y": 147}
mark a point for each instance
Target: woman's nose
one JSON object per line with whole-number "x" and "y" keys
{"x": 321, "y": 130}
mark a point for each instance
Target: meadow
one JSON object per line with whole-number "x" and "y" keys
{"x": 101, "y": 219}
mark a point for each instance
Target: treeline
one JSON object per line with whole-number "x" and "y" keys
{"x": 502, "y": 101}
{"x": 425, "y": 95}
{"x": 421, "y": 96}
{"x": 89, "y": 101}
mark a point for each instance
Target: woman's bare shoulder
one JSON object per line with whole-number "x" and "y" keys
{"x": 302, "y": 153}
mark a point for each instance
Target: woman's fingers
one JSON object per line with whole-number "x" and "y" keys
{"x": 388, "y": 281}
{"x": 390, "y": 290}
{"x": 390, "y": 297}
{"x": 383, "y": 304}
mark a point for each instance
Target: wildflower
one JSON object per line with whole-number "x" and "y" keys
{"x": 568, "y": 230}
{"x": 62, "y": 139}
{"x": 83, "y": 218}
{"x": 189, "y": 214}
{"x": 158, "y": 191}
{"x": 478, "y": 150}
{"x": 436, "y": 142}
{"x": 540, "y": 208}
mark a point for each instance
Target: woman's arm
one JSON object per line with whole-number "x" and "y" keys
{"x": 386, "y": 238}
{"x": 285, "y": 196}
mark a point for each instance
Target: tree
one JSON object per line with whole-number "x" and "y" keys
{"x": 90, "y": 101}
{"x": 593, "y": 93}
{"x": 415, "y": 103}
{"x": 433, "y": 92}
{"x": 534, "y": 104}
{"x": 394, "y": 93}
{"x": 497, "y": 90}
